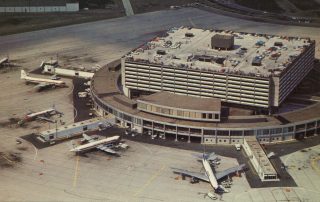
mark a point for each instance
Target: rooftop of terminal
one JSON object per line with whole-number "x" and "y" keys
{"x": 250, "y": 54}
{"x": 167, "y": 99}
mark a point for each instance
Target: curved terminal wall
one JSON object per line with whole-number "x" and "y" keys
{"x": 302, "y": 123}
{"x": 212, "y": 135}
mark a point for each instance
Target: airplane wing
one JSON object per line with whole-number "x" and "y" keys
{"x": 198, "y": 155}
{"x": 197, "y": 175}
{"x": 106, "y": 149}
{"x": 87, "y": 137}
{"x": 228, "y": 171}
{"x": 44, "y": 119}
{"x": 42, "y": 85}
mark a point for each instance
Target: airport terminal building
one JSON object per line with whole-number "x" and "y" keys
{"x": 177, "y": 89}
{"x": 38, "y": 6}
{"x": 242, "y": 68}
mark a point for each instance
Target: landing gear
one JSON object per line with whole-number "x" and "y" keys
{"x": 194, "y": 180}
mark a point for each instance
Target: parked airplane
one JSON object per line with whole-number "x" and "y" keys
{"x": 41, "y": 115}
{"x": 41, "y": 83}
{"x": 105, "y": 145}
{"x": 210, "y": 176}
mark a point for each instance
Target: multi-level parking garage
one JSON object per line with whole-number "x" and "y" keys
{"x": 250, "y": 69}
{"x": 109, "y": 99}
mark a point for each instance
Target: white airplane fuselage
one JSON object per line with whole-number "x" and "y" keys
{"x": 209, "y": 173}
{"x": 49, "y": 81}
{"x": 33, "y": 116}
{"x": 92, "y": 145}
{"x": 40, "y": 80}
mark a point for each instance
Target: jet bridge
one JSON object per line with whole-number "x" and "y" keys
{"x": 259, "y": 160}
{"x": 75, "y": 129}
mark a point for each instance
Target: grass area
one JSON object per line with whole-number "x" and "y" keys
{"x": 12, "y": 23}
{"x": 306, "y": 4}
{"x": 24, "y": 22}
{"x": 142, "y": 6}
{"x": 264, "y": 5}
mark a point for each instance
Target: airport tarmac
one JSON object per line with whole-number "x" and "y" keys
{"x": 142, "y": 173}
{"x": 17, "y": 99}
{"x": 304, "y": 167}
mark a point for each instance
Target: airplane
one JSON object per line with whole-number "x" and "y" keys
{"x": 105, "y": 145}
{"x": 209, "y": 175}
{"x": 41, "y": 83}
{"x": 41, "y": 115}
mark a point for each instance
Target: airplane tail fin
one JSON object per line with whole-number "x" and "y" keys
{"x": 56, "y": 111}
{"x": 23, "y": 74}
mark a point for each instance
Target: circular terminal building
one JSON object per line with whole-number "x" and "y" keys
{"x": 185, "y": 85}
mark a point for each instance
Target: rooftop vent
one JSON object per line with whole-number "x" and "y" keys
{"x": 278, "y": 43}
{"x": 223, "y": 41}
{"x": 205, "y": 58}
{"x": 220, "y": 60}
{"x": 161, "y": 52}
{"x": 188, "y": 34}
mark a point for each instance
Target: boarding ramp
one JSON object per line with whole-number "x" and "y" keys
{"x": 75, "y": 129}
{"x": 259, "y": 160}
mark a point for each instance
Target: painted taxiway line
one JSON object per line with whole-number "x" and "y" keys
{"x": 76, "y": 172}
{"x": 149, "y": 181}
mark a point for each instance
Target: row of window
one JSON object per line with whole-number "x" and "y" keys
{"x": 255, "y": 99}
{"x": 178, "y": 113}
{"x": 295, "y": 73}
{"x": 198, "y": 73}
{"x": 199, "y": 84}
{"x": 202, "y": 79}
{"x": 136, "y": 72}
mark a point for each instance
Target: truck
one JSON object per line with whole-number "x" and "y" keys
{"x": 238, "y": 147}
